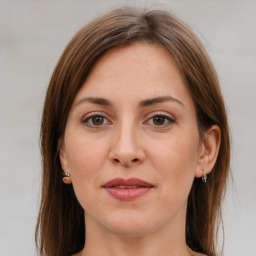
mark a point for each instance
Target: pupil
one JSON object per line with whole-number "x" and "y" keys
{"x": 159, "y": 120}
{"x": 97, "y": 120}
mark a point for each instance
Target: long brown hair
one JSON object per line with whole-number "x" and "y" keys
{"x": 60, "y": 228}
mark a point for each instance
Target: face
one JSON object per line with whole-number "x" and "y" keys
{"x": 131, "y": 142}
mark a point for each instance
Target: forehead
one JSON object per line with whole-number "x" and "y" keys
{"x": 140, "y": 70}
{"x": 136, "y": 59}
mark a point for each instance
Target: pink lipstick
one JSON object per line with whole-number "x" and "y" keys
{"x": 127, "y": 190}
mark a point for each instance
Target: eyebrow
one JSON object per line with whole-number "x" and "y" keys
{"x": 160, "y": 99}
{"x": 95, "y": 100}
{"x": 143, "y": 103}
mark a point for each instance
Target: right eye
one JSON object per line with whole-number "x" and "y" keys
{"x": 95, "y": 120}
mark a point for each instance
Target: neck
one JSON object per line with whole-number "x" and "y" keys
{"x": 166, "y": 241}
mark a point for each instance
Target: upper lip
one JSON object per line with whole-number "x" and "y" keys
{"x": 127, "y": 182}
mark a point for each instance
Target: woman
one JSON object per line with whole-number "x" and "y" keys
{"x": 135, "y": 142}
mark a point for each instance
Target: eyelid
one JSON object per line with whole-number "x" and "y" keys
{"x": 161, "y": 113}
{"x": 94, "y": 114}
{"x": 85, "y": 119}
{"x": 168, "y": 116}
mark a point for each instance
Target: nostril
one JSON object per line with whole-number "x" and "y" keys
{"x": 135, "y": 160}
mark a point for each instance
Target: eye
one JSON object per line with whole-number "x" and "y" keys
{"x": 160, "y": 120}
{"x": 95, "y": 120}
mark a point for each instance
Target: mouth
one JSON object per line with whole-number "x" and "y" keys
{"x": 127, "y": 190}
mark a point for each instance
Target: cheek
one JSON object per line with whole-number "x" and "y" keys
{"x": 177, "y": 153}
{"x": 85, "y": 158}
{"x": 86, "y": 161}
{"x": 176, "y": 170}
{"x": 176, "y": 161}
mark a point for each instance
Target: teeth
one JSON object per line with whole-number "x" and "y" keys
{"x": 121, "y": 186}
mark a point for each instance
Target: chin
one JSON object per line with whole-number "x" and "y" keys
{"x": 129, "y": 225}
{"x": 129, "y": 231}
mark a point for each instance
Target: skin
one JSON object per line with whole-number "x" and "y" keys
{"x": 158, "y": 143}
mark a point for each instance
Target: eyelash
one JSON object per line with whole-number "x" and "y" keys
{"x": 167, "y": 120}
{"x": 89, "y": 119}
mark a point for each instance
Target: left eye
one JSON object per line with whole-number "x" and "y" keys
{"x": 95, "y": 120}
{"x": 160, "y": 120}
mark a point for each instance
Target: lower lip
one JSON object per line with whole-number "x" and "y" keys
{"x": 128, "y": 194}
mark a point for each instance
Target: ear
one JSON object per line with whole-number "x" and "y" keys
{"x": 62, "y": 155}
{"x": 208, "y": 151}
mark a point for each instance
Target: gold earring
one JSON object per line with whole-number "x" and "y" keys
{"x": 66, "y": 178}
{"x": 204, "y": 177}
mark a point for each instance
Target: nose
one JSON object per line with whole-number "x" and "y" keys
{"x": 127, "y": 148}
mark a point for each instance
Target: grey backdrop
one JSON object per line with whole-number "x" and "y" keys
{"x": 32, "y": 37}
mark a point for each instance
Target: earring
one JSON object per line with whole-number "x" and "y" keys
{"x": 66, "y": 178}
{"x": 204, "y": 177}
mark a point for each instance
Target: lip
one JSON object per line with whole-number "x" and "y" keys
{"x": 138, "y": 188}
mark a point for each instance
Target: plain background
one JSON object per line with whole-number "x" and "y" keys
{"x": 33, "y": 34}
